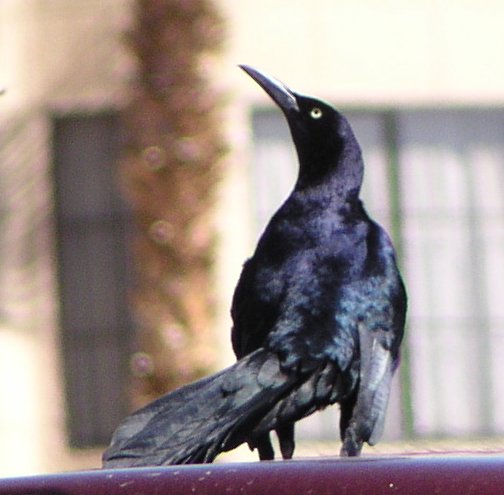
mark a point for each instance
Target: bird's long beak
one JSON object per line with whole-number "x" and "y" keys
{"x": 277, "y": 90}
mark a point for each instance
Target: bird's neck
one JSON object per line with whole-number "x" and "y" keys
{"x": 328, "y": 197}
{"x": 336, "y": 178}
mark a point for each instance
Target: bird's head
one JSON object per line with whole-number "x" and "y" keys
{"x": 324, "y": 140}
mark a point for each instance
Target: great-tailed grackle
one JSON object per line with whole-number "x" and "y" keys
{"x": 318, "y": 317}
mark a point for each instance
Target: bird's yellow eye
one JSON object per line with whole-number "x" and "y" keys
{"x": 316, "y": 113}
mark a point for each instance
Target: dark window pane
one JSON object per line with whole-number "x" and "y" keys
{"x": 92, "y": 227}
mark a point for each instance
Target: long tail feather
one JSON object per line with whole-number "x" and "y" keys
{"x": 197, "y": 422}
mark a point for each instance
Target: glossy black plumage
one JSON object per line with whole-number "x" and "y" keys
{"x": 318, "y": 317}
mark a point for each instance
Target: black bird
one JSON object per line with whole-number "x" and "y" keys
{"x": 318, "y": 317}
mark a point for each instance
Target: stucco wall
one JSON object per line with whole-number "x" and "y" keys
{"x": 415, "y": 52}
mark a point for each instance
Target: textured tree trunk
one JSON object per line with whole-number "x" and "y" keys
{"x": 170, "y": 168}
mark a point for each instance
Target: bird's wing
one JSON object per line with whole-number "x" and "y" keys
{"x": 376, "y": 371}
{"x": 255, "y": 307}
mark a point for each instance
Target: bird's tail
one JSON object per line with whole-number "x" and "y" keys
{"x": 195, "y": 423}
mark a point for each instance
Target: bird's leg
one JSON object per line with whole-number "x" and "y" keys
{"x": 352, "y": 443}
{"x": 285, "y": 434}
{"x": 263, "y": 446}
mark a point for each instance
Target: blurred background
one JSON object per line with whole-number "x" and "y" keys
{"x": 138, "y": 166}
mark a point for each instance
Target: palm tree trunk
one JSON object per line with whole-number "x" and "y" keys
{"x": 170, "y": 168}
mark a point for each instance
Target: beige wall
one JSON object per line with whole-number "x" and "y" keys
{"x": 56, "y": 53}
{"x": 364, "y": 51}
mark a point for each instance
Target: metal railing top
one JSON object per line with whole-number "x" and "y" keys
{"x": 412, "y": 475}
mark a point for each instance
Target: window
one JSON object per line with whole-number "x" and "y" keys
{"x": 92, "y": 229}
{"x": 452, "y": 169}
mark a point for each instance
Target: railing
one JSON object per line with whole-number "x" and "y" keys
{"x": 412, "y": 475}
